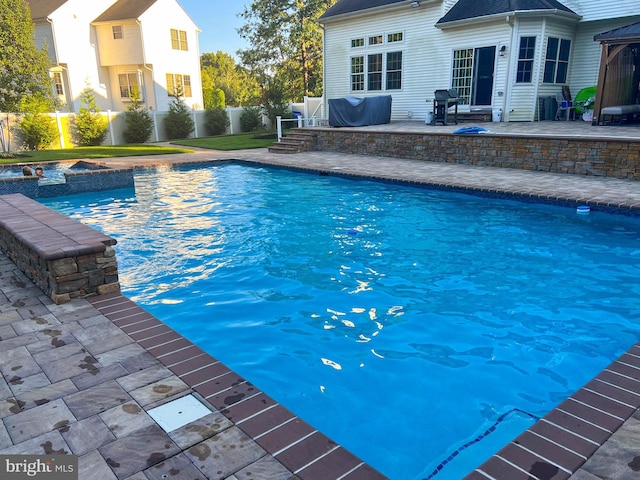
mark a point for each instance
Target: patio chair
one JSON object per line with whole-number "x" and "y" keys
{"x": 566, "y": 109}
{"x": 442, "y": 101}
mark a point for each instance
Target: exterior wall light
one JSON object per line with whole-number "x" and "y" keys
{"x": 415, "y": 4}
{"x": 503, "y": 50}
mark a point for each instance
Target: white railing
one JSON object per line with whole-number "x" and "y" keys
{"x": 299, "y": 121}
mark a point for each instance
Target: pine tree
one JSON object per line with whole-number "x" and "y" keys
{"x": 138, "y": 121}
{"x": 178, "y": 123}
{"x": 91, "y": 127}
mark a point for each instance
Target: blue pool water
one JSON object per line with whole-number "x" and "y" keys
{"x": 423, "y": 330}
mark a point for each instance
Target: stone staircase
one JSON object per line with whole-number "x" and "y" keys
{"x": 295, "y": 141}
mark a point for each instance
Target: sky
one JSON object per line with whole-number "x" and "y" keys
{"x": 218, "y": 21}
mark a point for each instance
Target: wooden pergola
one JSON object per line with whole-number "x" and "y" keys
{"x": 619, "y": 75}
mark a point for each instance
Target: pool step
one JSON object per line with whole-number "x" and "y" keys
{"x": 295, "y": 141}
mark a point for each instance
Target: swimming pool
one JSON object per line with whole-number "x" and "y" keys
{"x": 402, "y": 322}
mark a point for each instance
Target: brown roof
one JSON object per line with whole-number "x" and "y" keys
{"x": 125, "y": 10}
{"x": 44, "y": 8}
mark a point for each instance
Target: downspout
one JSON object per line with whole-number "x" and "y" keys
{"x": 541, "y": 57}
{"x": 324, "y": 71}
{"x": 145, "y": 65}
{"x": 507, "y": 80}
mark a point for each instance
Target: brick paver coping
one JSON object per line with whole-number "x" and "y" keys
{"x": 51, "y": 235}
{"x": 303, "y": 450}
{"x": 63, "y": 257}
{"x": 555, "y": 447}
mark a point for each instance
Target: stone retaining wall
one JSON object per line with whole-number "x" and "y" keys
{"x": 63, "y": 257}
{"x": 609, "y": 157}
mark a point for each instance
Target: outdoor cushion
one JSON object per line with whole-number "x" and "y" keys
{"x": 621, "y": 110}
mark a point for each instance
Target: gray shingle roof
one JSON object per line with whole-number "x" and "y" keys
{"x": 467, "y": 9}
{"x": 125, "y": 10}
{"x": 628, "y": 32}
{"x": 463, "y": 10}
{"x": 351, "y": 6}
{"x": 43, "y": 8}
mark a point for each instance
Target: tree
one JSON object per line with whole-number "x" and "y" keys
{"x": 24, "y": 70}
{"x": 178, "y": 123}
{"x": 219, "y": 71}
{"x": 38, "y": 129}
{"x": 216, "y": 121}
{"x": 91, "y": 127}
{"x": 138, "y": 121}
{"x": 286, "y": 42}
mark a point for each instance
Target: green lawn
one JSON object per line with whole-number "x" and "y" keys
{"x": 91, "y": 152}
{"x": 231, "y": 142}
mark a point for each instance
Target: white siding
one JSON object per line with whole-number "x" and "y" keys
{"x": 76, "y": 48}
{"x": 427, "y": 55}
{"x": 419, "y": 53}
{"x": 592, "y": 10}
{"x": 126, "y": 50}
{"x": 156, "y": 25}
{"x": 44, "y": 36}
{"x": 495, "y": 34}
{"x": 522, "y": 97}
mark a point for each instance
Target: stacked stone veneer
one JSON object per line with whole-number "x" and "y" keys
{"x": 609, "y": 157}
{"x": 63, "y": 257}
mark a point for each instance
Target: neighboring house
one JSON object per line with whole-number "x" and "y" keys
{"x": 116, "y": 46}
{"x": 498, "y": 54}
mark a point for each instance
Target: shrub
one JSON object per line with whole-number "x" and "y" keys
{"x": 38, "y": 131}
{"x": 138, "y": 122}
{"x": 216, "y": 121}
{"x": 178, "y": 123}
{"x": 90, "y": 126}
{"x": 251, "y": 119}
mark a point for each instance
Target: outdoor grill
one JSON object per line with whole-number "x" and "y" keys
{"x": 443, "y": 99}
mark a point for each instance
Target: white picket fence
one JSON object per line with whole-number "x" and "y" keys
{"x": 10, "y": 139}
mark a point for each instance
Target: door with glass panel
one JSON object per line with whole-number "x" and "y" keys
{"x": 472, "y": 75}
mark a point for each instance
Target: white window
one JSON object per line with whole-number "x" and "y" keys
{"x": 376, "y": 69}
{"x": 394, "y": 71}
{"x": 394, "y": 37}
{"x": 179, "y": 40}
{"x": 556, "y": 63}
{"x": 357, "y": 74}
{"x": 462, "y": 74}
{"x": 128, "y": 83}
{"x": 116, "y": 31}
{"x": 58, "y": 87}
{"x": 524, "y": 72}
{"x": 178, "y": 84}
{"x": 374, "y": 72}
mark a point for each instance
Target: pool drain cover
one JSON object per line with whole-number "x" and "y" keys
{"x": 178, "y": 413}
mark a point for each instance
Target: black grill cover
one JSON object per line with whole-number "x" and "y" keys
{"x": 358, "y": 112}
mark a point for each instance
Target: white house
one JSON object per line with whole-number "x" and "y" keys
{"x": 115, "y": 46}
{"x": 498, "y": 54}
